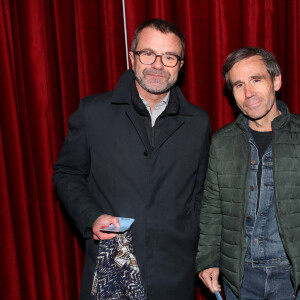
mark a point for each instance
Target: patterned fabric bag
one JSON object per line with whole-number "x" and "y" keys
{"x": 117, "y": 275}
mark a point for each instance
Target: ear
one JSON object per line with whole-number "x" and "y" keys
{"x": 181, "y": 64}
{"x": 131, "y": 56}
{"x": 277, "y": 82}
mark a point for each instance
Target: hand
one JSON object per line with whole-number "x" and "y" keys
{"x": 210, "y": 279}
{"x": 102, "y": 222}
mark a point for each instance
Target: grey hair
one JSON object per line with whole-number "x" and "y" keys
{"x": 162, "y": 26}
{"x": 240, "y": 54}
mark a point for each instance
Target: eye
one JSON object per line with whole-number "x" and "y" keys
{"x": 148, "y": 53}
{"x": 256, "y": 79}
{"x": 238, "y": 85}
{"x": 169, "y": 57}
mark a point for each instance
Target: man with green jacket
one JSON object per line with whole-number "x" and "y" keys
{"x": 250, "y": 217}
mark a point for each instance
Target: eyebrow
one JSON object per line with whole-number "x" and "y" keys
{"x": 236, "y": 83}
{"x": 169, "y": 52}
{"x": 257, "y": 77}
{"x": 251, "y": 77}
{"x": 147, "y": 49}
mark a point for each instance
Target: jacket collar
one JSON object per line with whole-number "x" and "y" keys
{"x": 282, "y": 119}
{"x": 126, "y": 93}
{"x": 278, "y": 122}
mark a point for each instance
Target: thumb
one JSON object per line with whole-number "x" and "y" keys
{"x": 215, "y": 284}
{"x": 214, "y": 280}
{"x": 116, "y": 222}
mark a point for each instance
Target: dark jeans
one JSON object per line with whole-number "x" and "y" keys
{"x": 265, "y": 283}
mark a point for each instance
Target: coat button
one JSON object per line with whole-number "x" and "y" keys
{"x": 146, "y": 153}
{"x": 251, "y": 188}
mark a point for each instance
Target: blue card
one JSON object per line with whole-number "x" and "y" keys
{"x": 125, "y": 224}
{"x": 219, "y": 297}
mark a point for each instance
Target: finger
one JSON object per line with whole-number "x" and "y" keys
{"x": 99, "y": 235}
{"x": 106, "y": 236}
{"x": 203, "y": 279}
{"x": 215, "y": 284}
{"x": 116, "y": 222}
{"x": 95, "y": 237}
{"x": 208, "y": 282}
{"x": 210, "y": 286}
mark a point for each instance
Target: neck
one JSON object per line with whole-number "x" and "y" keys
{"x": 264, "y": 124}
{"x": 256, "y": 126}
{"x": 152, "y": 99}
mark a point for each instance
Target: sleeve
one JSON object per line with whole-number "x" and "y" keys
{"x": 208, "y": 254}
{"x": 71, "y": 172}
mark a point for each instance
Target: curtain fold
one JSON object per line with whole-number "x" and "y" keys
{"x": 55, "y": 52}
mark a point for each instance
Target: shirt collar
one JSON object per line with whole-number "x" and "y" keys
{"x": 164, "y": 101}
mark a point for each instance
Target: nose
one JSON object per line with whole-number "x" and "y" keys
{"x": 158, "y": 63}
{"x": 249, "y": 91}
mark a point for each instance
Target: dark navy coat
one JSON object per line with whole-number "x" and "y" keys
{"x": 107, "y": 165}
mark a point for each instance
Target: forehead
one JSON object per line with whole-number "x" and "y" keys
{"x": 151, "y": 38}
{"x": 250, "y": 66}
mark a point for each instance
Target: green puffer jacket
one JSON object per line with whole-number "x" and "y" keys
{"x": 222, "y": 220}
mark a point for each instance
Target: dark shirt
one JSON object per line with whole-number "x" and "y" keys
{"x": 262, "y": 141}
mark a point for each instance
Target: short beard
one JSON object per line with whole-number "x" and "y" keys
{"x": 157, "y": 91}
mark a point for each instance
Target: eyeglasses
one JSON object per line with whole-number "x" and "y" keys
{"x": 149, "y": 57}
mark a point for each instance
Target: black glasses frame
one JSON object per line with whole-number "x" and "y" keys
{"x": 138, "y": 53}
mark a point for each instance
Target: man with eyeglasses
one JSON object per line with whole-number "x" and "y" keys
{"x": 140, "y": 152}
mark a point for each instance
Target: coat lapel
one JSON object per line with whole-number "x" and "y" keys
{"x": 176, "y": 113}
{"x": 169, "y": 126}
{"x": 139, "y": 127}
{"x": 122, "y": 95}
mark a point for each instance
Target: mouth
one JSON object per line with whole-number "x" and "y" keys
{"x": 154, "y": 73}
{"x": 253, "y": 104}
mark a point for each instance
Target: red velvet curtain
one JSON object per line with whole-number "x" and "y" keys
{"x": 53, "y": 52}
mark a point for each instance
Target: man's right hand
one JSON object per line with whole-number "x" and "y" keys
{"x": 102, "y": 222}
{"x": 210, "y": 279}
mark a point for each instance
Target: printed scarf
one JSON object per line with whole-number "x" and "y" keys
{"x": 117, "y": 275}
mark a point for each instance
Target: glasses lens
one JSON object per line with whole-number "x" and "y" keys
{"x": 169, "y": 60}
{"x": 147, "y": 57}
